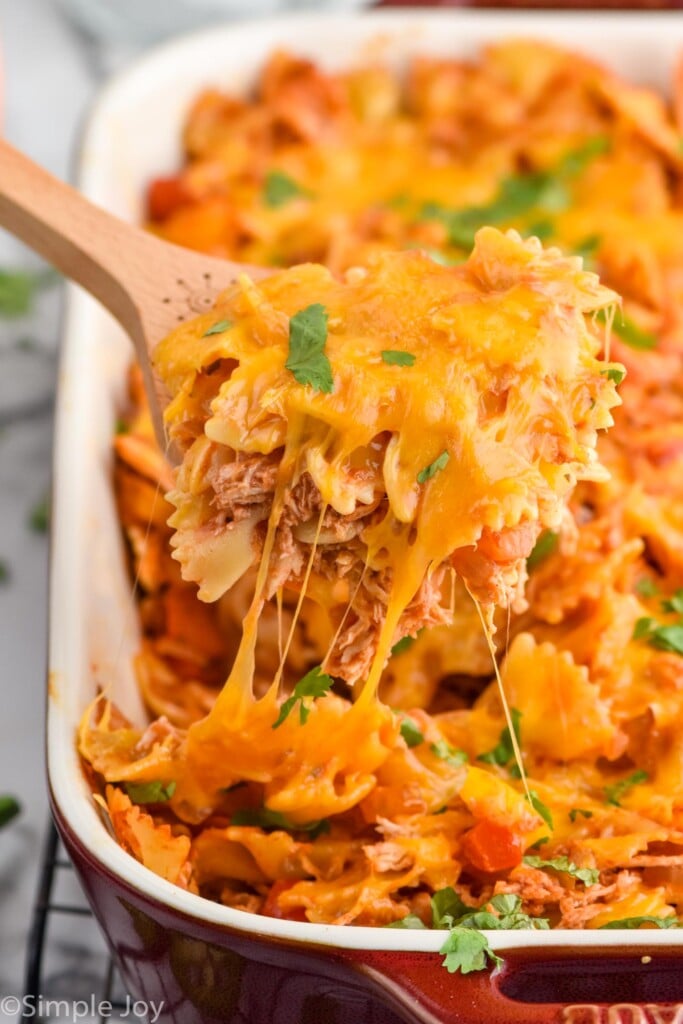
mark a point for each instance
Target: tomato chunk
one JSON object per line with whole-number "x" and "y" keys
{"x": 272, "y": 908}
{"x": 491, "y": 847}
{"x": 165, "y": 195}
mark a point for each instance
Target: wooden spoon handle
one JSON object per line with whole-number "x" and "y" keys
{"x": 147, "y": 284}
{"x": 85, "y": 243}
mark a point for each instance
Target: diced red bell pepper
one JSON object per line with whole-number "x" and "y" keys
{"x": 491, "y": 847}
{"x": 165, "y": 195}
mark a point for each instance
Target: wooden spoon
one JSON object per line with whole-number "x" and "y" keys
{"x": 147, "y": 284}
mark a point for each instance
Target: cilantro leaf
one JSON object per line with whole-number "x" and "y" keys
{"x": 667, "y": 638}
{"x": 280, "y": 188}
{"x": 218, "y": 328}
{"x": 307, "y": 359}
{"x": 393, "y": 357}
{"x": 544, "y": 546}
{"x": 149, "y": 792}
{"x": 643, "y": 627}
{"x": 410, "y": 921}
{"x": 445, "y": 752}
{"x": 466, "y": 951}
{"x": 508, "y": 914}
{"x": 664, "y": 638}
{"x": 647, "y": 587}
{"x": 613, "y": 374}
{"x": 517, "y": 196}
{"x": 503, "y": 752}
{"x": 39, "y": 516}
{"x": 439, "y": 463}
{"x": 576, "y": 811}
{"x": 588, "y": 247}
{"x": 577, "y": 160}
{"x": 404, "y": 643}
{"x": 589, "y": 876}
{"x": 411, "y": 733}
{"x": 447, "y": 908}
{"x": 540, "y": 808}
{"x": 314, "y": 684}
{"x": 269, "y": 821}
{"x": 614, "y": 792}
{"x": 466, "y": 948}
{"x": 675, "y": 603}
{"x": 9, "y": 808}
{"x": 633, "y": 335}
{"x": 541, "y": 229}
{"x": 636, "y": 922}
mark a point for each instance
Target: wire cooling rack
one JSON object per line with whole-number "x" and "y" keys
{"x": 67, "y": 962}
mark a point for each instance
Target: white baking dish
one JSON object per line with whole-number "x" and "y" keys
{"x": 134, "y": 134}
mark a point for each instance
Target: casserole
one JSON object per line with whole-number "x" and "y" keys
{"x": 205, "y": 962}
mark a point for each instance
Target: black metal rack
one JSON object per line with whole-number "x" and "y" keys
{"x": 56, "y": 900}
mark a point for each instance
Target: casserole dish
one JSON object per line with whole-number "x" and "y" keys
{"x": 203, "y": 961}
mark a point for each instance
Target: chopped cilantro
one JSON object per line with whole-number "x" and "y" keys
{"x": 411, "y": 733}
{"x": 280, "y": 188}
{"x": 503, "y": 752}
{"x": 404, "y": 643}
{"x": 615, "y": 791}
{"x": 588, "y": 246}
{"x": 589, "y": 876}
{"x": 539, "y": 843}
{"x": 314, "y": 684}
{"x": 269, "y": 821}
{"x": 150, "y": 792}
{"x": 664, "y": 638}
{"x": 120, "y": 427}
{"x": 544, "y": 546}
{"x": 540, "y": 808}
{"x": 508, "y": 914}
{"x": 647, "y": 587}
{"x": 576, "y": 811}
{"x": 439, "y": 463}
{"x": 445, "y": 752}
{"x": 39, "y": 516}
{"x": 541, "y": 229}
{"x": 411, "y": 921}
{"x": 393, "y": 357}
{"x": 464, "y": 923}
{"x": 218, "y": 328}
{"x": 613, "y": 374}
{"x": 466, "y": 951}
{"x": 636, "y": 922}
{"x": 517, "y": 196}
{"x": 9, "y": 808}
{"x": 643, "y": 627}
{"x": 4, "y": 572}
{"x": 577, "y": 160}
{"x": 629, "y": 332}
{"x": 307, "y": 359}
{"x": 675, "y": 603}
{"x": 667, "y": 638}
{"x": 447, "y": 908}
